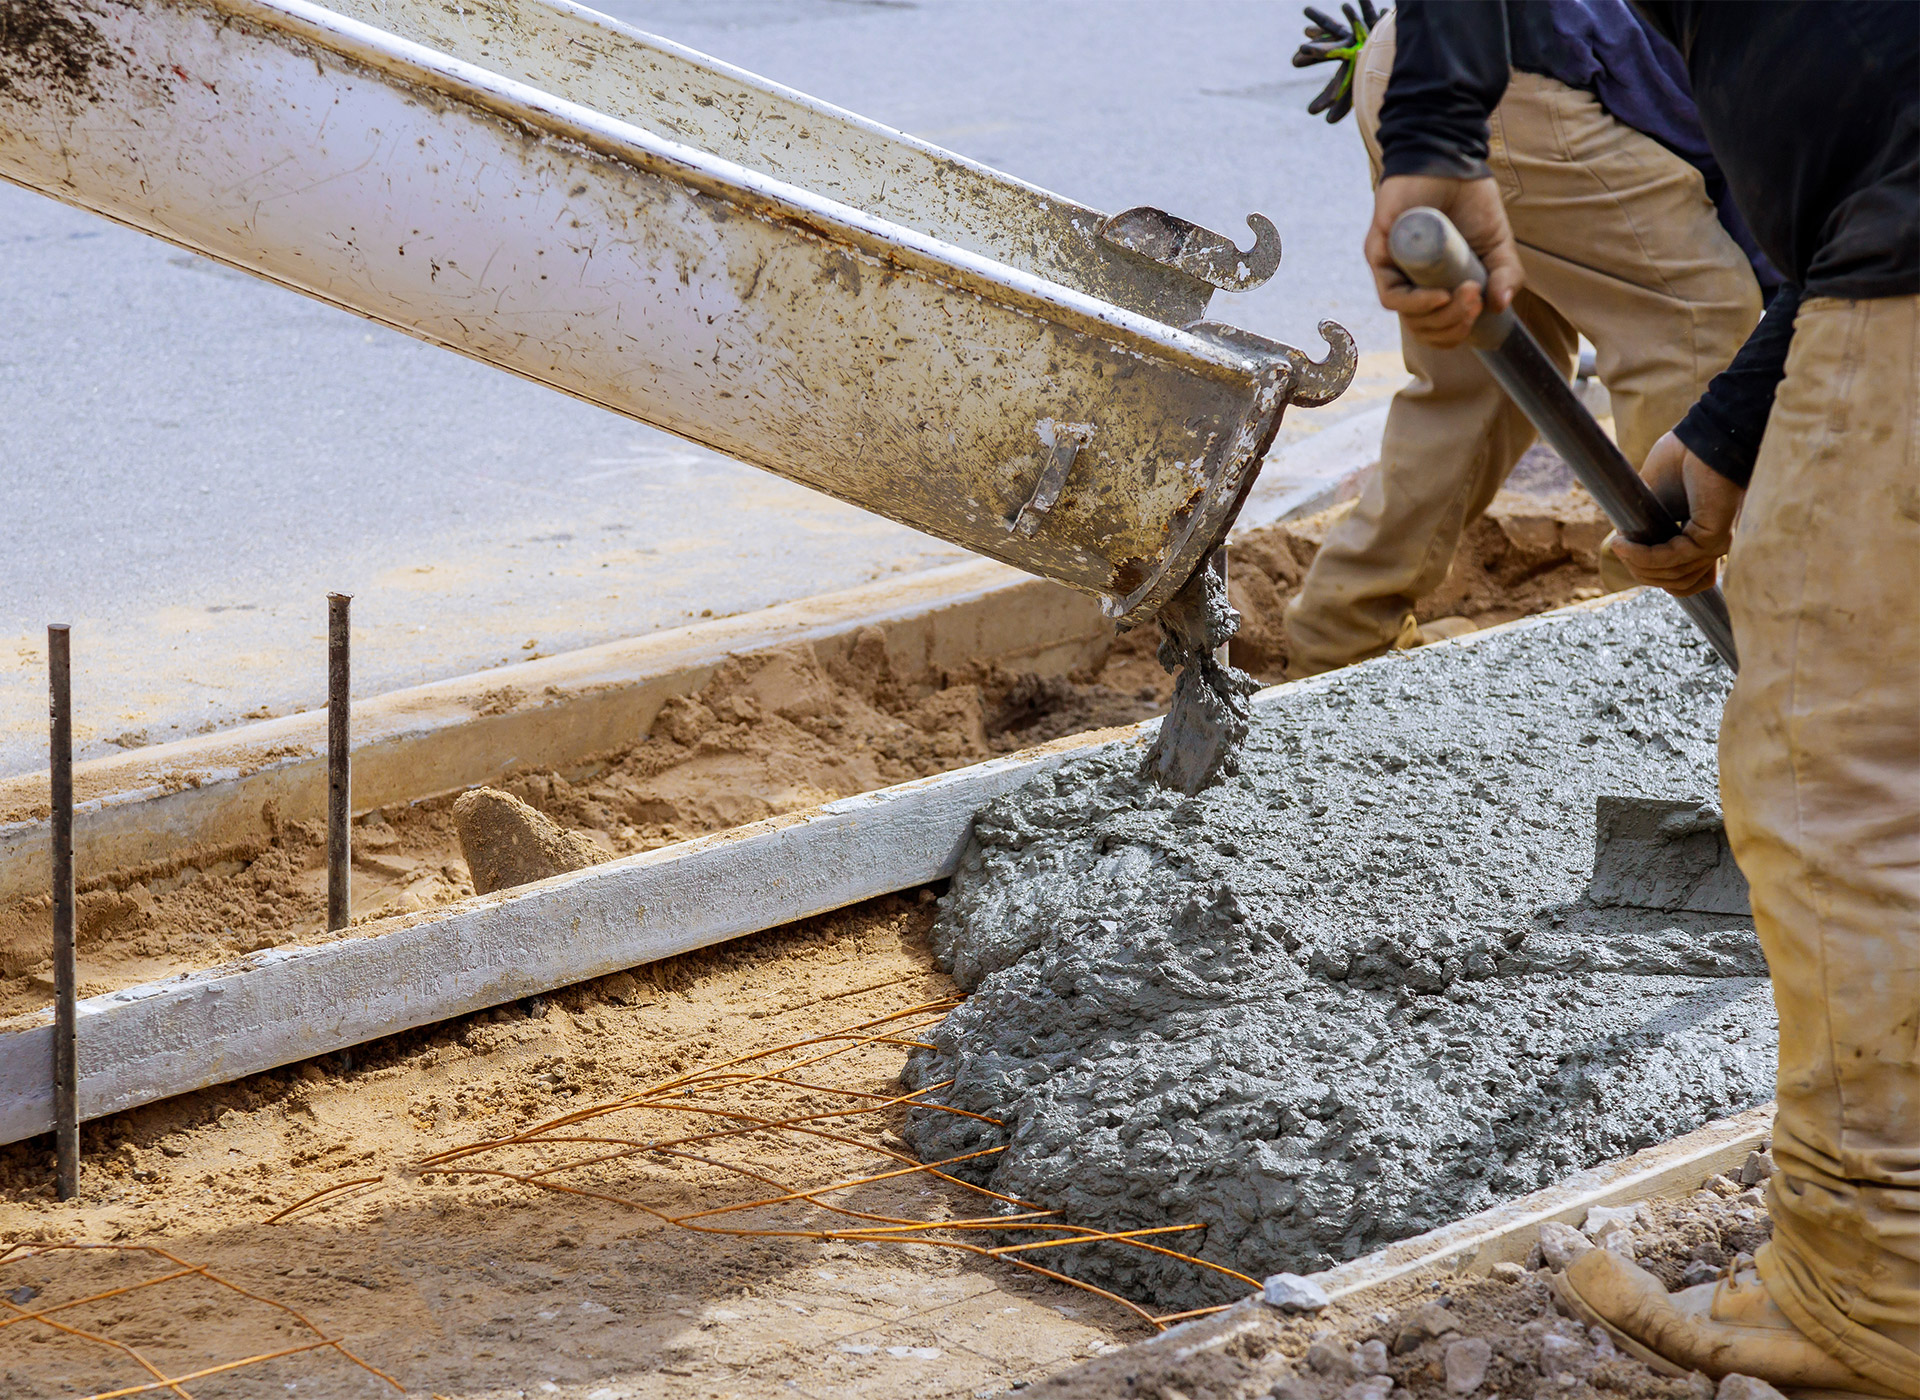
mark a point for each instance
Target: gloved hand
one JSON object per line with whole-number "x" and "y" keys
{"x": 1329, "y": 41}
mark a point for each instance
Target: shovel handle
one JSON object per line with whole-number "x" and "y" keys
{"x": 1426, "y": 246}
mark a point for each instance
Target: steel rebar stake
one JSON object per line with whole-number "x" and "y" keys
{"x": 66, "y": 1068}
{"x": 339, "y": 770}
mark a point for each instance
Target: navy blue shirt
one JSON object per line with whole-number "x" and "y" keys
{"x": 1812, "y": 112}
{"x": 1599, "y": 46}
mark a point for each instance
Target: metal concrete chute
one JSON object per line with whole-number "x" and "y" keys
{"x": 1142, "y": 259}
{"x": 535, "y": 186}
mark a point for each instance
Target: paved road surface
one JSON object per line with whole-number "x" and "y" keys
{"x": 193, "y": 458}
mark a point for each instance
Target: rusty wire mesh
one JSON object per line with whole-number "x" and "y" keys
{"x": 89, "y": 1321}
{"x": 711, "y": 1151}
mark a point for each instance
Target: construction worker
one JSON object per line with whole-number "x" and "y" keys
{"x": 1611, "y": 193}
{"x": 1812, "y": 440}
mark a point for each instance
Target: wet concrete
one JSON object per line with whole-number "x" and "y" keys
{"x": 1357, "y": 989}
{"x": 1212, "y": 702}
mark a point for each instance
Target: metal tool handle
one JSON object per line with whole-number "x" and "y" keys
{"x": 1426, "y": 246}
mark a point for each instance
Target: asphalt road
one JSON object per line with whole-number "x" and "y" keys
{"x": 193, "y": 459}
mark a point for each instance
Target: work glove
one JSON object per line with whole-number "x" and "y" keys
{"x": 1329, "y": 41}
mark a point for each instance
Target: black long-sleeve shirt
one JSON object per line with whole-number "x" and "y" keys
{"x": 1812, "y": 110}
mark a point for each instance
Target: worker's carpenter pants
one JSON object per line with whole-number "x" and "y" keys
{"x": 1820, "y": 775}
{"x": 1621, "y": 244}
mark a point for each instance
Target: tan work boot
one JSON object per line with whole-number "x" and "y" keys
{"x": 1719, "y": 1328}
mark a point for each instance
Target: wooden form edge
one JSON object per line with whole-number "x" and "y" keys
{"x": 282, "y": 1005}
{"x": 1505, "y": 1233}
{"x": 166, "y": 801}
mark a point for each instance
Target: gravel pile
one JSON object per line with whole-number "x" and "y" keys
{"x": 1467, "y": 1337}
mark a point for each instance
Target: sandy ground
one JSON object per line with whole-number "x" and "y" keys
{"x": 475, "y": 1286}
{"x": 772, "y": 733}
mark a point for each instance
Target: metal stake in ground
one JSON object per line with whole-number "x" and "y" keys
{"x": 339, "y": 772}
{"x": 66, "y": 1069}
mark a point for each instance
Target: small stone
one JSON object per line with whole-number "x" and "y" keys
{"x": 1563, "y": 1356}
{"x": 1754, "y": 1199}
{"x": 1758, "y": 1167}
{"x": 1603, "y": 1347}
{"x": 1327, "y": 1358}
{"x": 1620, "y": 1241}
{"x": 1697, "y": 1273}
{"x": 1292, "y": 1293}
{"x": 1371, "y": 1388}
{"x": 1603, "y": 1220}
{"x": 1721, "y": 1185}
{"x": 1292, "y": 1387}
{"x": 1467, "y": 1364}
{"x": 1700, "y": 1386}
{"x": 1370, "y": 1358}
{"x": 1561, "y": 1244}
{"x": 23, "y": 1295}
{"x": 172, "y": 1148}
{"x": 1506, "y": 1271}
{"x": 1429, "y": 1320}
{"x": 1739, "y": 1387}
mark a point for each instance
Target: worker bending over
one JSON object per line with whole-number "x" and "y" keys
{"x": 1610, "y": 190}
{"x": 1811, "y": 438}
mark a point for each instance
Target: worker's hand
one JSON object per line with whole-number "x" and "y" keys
{"x": 1690, "y": 561}
{"x": 1438, "y": 318}
{"x": 1329, "y": 41}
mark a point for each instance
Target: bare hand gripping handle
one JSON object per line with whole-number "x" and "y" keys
{"x": 1430, "y": 251}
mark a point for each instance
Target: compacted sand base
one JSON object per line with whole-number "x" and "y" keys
{"x": 478, "y": 1288}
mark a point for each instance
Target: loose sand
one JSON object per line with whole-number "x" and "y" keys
{"x": 771, "y": 733}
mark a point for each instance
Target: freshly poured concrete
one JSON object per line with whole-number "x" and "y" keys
{"x": 1356, "y": 990}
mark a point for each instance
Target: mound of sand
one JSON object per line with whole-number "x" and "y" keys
{"x": 506, "y": 843}
{"x": 1358, "y": 990}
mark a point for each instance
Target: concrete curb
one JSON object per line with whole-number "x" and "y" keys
{"x": 164, "y": 802}
{"x": 286, "y": 1004}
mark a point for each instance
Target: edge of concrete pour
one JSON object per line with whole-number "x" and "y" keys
{"x": 1500, "y": 1234}
{"x": 281, "y": 1005}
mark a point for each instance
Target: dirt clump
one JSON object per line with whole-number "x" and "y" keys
{"x": 506, "y": 843}
{"x": 770, "y": 733}
{"x": 1427, "y": 1339}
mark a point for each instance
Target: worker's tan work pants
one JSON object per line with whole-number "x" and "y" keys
{"x": 1820, "y": 775}
{"x": 1619, "y": 243}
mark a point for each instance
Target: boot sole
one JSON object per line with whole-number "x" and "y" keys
{"x": 1570, "y": 1299}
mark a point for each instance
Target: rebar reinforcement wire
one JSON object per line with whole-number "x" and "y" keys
{"x": 726, "y": 1132}
{"x": 21, "y": 1314}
